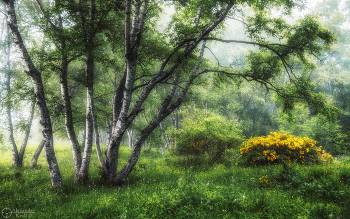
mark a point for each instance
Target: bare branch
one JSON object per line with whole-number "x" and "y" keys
{"x": 247, "y": 77}
{"x": 244, "y": 42}
{"x": 232, "y": 18}
{"x": 214, "y": 56}
{"x": 53, "y": 26}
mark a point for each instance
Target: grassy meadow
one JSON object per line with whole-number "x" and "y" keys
{"x": 163, "y": 187}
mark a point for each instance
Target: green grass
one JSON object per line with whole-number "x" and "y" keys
{"x": 160, "y": 187}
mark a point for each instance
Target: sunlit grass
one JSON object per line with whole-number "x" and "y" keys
{"x": 160, "y": 187}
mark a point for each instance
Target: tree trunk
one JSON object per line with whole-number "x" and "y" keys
{"x": 130, "y": 137}
{"x": 97, "y": 142}
{"x": 164, "y": 111}
{"x": 55, "y": 174}
{"x": 131, "y": 49}
{"x": 84, "y": 135}
{"x": 17, "y": 158}
{"x": 8, "y": 104}
{"x": 164, "y": 138}
{"x": 108, "y": 131}
{"x": 65, "y": 94}
{"x": 175, "y": 119}
{"x": 69, "y": 124}
{"x": 121, "y": 176}
{"x": 89, "y": 46}
{"x": 84, "y": 169}
{"x": 26, "y": 135}
{"x": 34, "y": 161}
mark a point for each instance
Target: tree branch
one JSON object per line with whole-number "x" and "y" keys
{"x": 53, "y": 26}
{"x": 214, "y": 56}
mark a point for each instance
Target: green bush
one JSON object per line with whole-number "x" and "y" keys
{"x": 205, "y": 136}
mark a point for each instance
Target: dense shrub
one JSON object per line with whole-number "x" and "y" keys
{"x": 280, "y": 147}
{"x": 204, "y": 136}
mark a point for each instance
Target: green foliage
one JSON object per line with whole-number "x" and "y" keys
{"x": 326, "y": 133}
{"x": 205, "y": 134}
{"x": 341, "y": 144}
{"x": 283, "y": 148}
{"x": 329, "y": 135}
{"x": 293, "y": 57}
{"x": 249, "y": 104}
{"x": 297, "y": 122}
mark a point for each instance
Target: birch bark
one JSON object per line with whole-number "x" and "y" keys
{"x": 35, "y": 157}
{"x": 90, "y": 111}
{"x": 26, "y": 135}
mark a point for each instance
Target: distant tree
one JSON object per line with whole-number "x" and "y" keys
{"x": 12, "y": 97}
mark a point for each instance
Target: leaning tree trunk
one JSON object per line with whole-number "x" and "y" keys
{"x": 121, "y": 175}
{"x": 97, "y": 142}
{"x": 26, "y": 135}
{"x": 35, "y": 157}
{"x": 165, "y": 110}
{"x": 65, "y": 95}
{"x": 35, "y": 75}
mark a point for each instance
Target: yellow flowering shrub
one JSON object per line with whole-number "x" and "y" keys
{"x": 281, "y": 147}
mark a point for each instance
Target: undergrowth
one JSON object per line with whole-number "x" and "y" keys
{"x": 159, "y": 187}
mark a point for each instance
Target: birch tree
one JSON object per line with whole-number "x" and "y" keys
{"x": 35, "y": 75}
